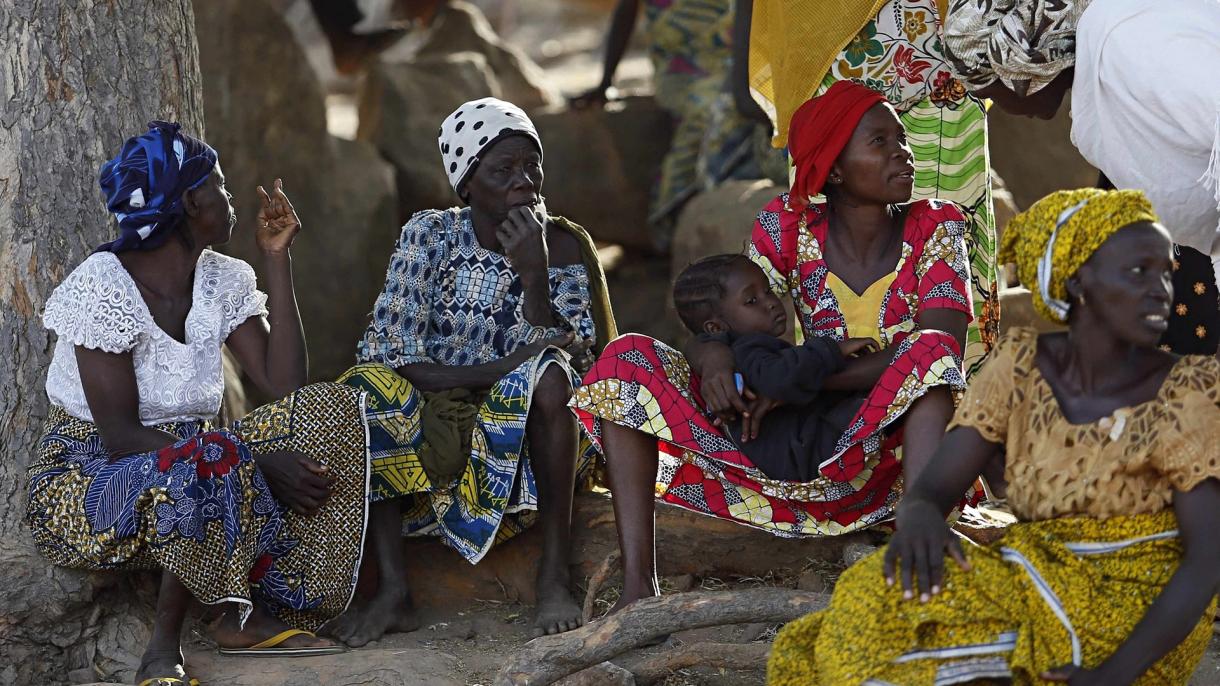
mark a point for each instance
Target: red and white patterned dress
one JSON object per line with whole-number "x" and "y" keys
{"x": 644, "y": 384}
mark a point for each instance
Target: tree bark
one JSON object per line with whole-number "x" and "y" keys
{"x": 76, "y": 78}
{"x": 653, "y": 669}
{"x": 547, "y": 659}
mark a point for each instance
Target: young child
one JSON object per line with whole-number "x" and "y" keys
{"x": 728, "y": 297}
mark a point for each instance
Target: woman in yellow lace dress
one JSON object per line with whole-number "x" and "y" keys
{"x": 1111, "y": 451}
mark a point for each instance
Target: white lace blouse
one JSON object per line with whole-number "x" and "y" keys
{"x": 99, "y": 306}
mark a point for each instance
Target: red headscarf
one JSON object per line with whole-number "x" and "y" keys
{"x": 820, "y": 130}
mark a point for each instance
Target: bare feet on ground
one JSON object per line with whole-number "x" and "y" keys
{"x": 161, "y": 663}
{"x": 369, "y": 620}
{"x": 260, "y": 626}
{"x": 557, "y": 610}
{"x": 632, "y": 593}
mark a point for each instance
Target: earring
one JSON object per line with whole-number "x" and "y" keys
{"x": 1082, "y": 300}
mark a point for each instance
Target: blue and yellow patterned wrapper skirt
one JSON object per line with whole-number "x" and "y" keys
{"x": 1047, "y": 594}
{"x": 495, "y": 497}
{"x": 202, "y": 510}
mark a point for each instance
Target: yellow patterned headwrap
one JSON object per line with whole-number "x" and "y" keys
{"x": 1056, "y": 235}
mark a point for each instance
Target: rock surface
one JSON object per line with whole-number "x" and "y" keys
{"x": 1036, "y": 157}
{"x": 600, "y": 167}
{"x": 406, "y": 667}
{"x": 687, "y": 544}
{"x": 401, "y": 107}
{"x": 462, "y": 27}
{"x": 1017, "y": 308}
{"x": 267, "y": 119}
{"x": 719, "y": 221}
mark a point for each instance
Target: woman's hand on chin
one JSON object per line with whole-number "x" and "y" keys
{"x": 916, "y": 553}
{"x": 523, "y": 238}
{"x": 278, "y": 223}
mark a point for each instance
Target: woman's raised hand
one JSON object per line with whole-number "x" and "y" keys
{"x": 523, "y": 237}
{"x": 918, "y": 550}
{"x": 278, "y": 224}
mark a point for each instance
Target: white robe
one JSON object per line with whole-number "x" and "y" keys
{"x": 1146, "y": 108}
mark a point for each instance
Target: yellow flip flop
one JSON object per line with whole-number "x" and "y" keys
{"x": 168, "y": 681}
{"x": 271, "y": 647}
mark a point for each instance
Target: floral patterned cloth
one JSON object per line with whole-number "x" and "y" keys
{"x": 1097, "y": 542}
{"x": 646, "y": 385}
{"x": 201, "y": 509}
{"x": 899, "y": 52}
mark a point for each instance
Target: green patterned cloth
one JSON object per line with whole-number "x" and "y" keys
{"x": 493, "y": 495}
{"x": 899, "y": 53}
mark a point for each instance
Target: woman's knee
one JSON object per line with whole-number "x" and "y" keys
{"x": 553, "y": 391}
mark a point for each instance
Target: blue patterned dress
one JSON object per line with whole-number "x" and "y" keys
{"x": 448, "y": 300}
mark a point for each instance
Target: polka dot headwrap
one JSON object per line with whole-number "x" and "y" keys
{"x": 476, "y": 126}
{"x": 1059, "y": 233}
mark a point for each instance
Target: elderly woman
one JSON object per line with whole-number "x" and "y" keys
{"x": 864, "y": 263}
{"x": 264, "y": 518}
{"x": 1148, "y": 119}
{"x": 1109, "y": 577}
{"x": 469, "y": 363}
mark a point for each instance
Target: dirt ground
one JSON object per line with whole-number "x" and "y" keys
{"x": 467, "y": 646}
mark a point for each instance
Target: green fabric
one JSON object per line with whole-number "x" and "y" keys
{"x": 599, "y": 293}
{"x": 447, "y": 420}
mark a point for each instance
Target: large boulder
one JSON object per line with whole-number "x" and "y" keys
{"x": 403, "y": 104}
{"x": 266, "y": 115}
{"x": 1036, "y": 157}
{"x": 461, "y": 27}
{"x": 719, "y": 220}
{"x": 601, "y": 164}
{"x": 1017, "y": 309}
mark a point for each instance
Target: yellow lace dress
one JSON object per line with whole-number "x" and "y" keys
{"x": 1096, "y": 544}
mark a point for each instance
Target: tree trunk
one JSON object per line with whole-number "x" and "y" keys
{"x": 76, "y": 78}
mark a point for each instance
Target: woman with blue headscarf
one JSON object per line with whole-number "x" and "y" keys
{"x": 264, "y": 518}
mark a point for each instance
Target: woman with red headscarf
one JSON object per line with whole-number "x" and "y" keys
{"x": 858, "y": 260}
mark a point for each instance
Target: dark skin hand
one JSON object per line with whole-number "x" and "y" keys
{"x": 503, "y": 190}
{"x": 273, "y": 356}
{"x": 739, "y": 76}
{"x": 868, "y": 187}
{"x": 622, "y": 24}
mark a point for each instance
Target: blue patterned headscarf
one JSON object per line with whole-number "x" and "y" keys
{"x": 145, "y": 183}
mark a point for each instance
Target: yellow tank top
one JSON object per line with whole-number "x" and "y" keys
{"x": 861, "y": 313}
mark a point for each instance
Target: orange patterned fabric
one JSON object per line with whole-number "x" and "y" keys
{"x": 1126, "y": 464}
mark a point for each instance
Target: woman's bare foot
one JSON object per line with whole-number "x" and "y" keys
{"x": 386, "y": 612}
{"x": 260, "y": 626}
{"x": 645, "y": 586}
{"x": 557, "y": 610}
{"x": 161, "y": 663}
